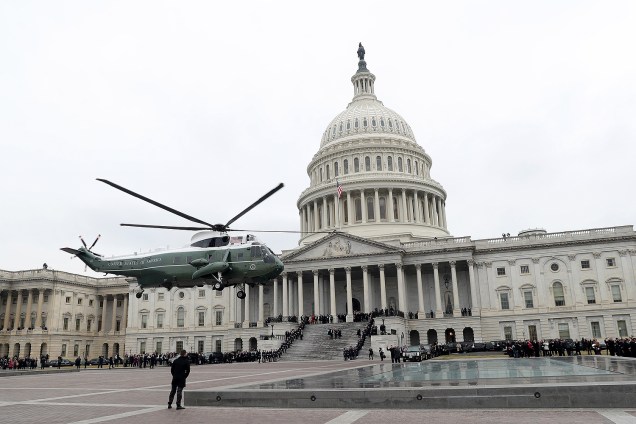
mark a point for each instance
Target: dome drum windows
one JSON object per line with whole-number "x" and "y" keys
{"x": 400, "y": 168}
{"x": 345, "y": 166}
{"x": 367, "y": 163}
{"x": 389, "y": 163}
{"x": 378, "y": 163}
{"x": 356, "y": 165}
{"x": 408, "y": 166}
{"x": 336, "y": 169}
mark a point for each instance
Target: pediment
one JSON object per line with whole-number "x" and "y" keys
{"x": 339, "y": 245}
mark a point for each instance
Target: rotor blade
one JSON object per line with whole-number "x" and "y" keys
{"x": 95, "y": 242}
{"x": 152, "y": 202}
{"x": 283, "y": 231}
{"x": 250, "y": 207}
{"x": 166, "y": 227}
{"x": 83, "y": 242}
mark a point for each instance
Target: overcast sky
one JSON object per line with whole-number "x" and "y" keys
{"x": 527, "y": 109}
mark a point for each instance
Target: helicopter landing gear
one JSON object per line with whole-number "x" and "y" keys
{"x": 240, "y": 294}
{"x": 139, "y": 293}
{"x": 218, "y": 286}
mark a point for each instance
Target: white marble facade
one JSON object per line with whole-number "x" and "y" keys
{"x": 383, "y": 242}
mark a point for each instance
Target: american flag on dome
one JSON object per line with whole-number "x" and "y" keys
{"x": 339, "y": 188}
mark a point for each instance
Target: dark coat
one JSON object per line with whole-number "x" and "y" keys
{"x": 180, "y": 370}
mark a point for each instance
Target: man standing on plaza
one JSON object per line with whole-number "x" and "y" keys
{"x": 180, "y": 371}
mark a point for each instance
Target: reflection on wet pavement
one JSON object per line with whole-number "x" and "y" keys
{"x": 466, "y": 373}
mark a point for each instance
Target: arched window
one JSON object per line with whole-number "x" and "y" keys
{"x": 180, "y": 317}
{"x": 328, "y": 174}
{"x": 367, "y": 163}
{"x": 408, "y": 166}
{"x": 336, "y": 169}
{"x": 320, "y": 174}
{"x": 382, "y": 208}
{"x": 382, "y": 122}
{"x": 400, "y": 169}
{"x": 348, "y": 124}
{"x": 395, "y": 209}
{"x": 370, "y": 209}
{"x": 356, "y": 124}
{"x": 390, "y": 124}
{"x": 378, "y": 163}
{"x": 417, "y": 170}
{"x": 373, "y": 122}
{"x": 557, "y": 292}
{"x": 364, "y": 122}
{"x": 340, "y": 126}
{"x": 356, "y": 165}
{"x": 345, "y": 165}
{"x": 358, "y": 206}
{"x": 389, "y": 162}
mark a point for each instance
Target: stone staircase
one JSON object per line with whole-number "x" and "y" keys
{"x": 317, "y": 345}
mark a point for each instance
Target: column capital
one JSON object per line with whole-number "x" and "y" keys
{"x": 453, "y": 264}
{"x": 299, "y": 274}
{"x": 435, "y": 265}
{"x": 314, "y": 271}
{"x": 348, "y": 269}
{"x": 331, "y": 271}
{"x": 572, "y": 258}
{"x": 596, "y": 255}
{"x": 488, "y": 264}
{"x": 535, "y": 260}
{"x": 632, "y": 252}
{"x": 512, "y": 262}
{"x": 398, "y": 265}
{"x": 365, "y": 268}
{"x": 284, "y": 274}
{"x": 418, "y": 267}
{"x": 471, "y": 262}
{"x": 480, "y": 265}
{"x": 622, "y": 252}
{"x": 381, "y": 266}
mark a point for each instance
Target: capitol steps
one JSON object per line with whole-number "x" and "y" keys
{"x": 317, "y": 345}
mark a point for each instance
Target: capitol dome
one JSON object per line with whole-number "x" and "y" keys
{"x": 369, "y": 177}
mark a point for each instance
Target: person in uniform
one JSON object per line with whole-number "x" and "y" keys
{"x": 180, "y": 371}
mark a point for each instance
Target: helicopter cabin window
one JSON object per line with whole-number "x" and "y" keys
{"x": 177, "y": 260}
{"x": 367, "y": 163}
{"x": 345, "y": 166}
{"x": 356, "y": 165}
{"x": 378, "y": 163}
{"x": 189, "y": 259}
{"x": 335, "y": 169}
{"x": 389, "y": 162}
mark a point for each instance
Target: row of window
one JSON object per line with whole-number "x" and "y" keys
{"x": 559, "y": 296}
{"x": 564, "y": 330}
{"x": 585, "y": 264}
{"x": 179, "y": 346}
{"x": 14, "y": 301}
{"x": 392, "y": 125}
{"x": 78, "y": 323}
{"x": 161, "y": 296}
{"x": 324, "y": 174}
{"x": 218, "y": 318}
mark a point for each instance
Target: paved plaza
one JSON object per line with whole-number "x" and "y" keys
{"x": 125, "y": 395}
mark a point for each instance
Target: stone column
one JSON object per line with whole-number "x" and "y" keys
{"x": 325, "y": 219}
{"x": 349, "y": 295}
{"x": 474, "y": 296}
{"x": 438, "y": 209}
{"x": 303, "y": 222}
{"x": 438, "y": 296}
{"x": 27, "y": 321}
{"x": 416, "y": 208}
{"x": 114, "y": 317}
{"x": 400, "y": 287}
{"x": 421, "y": 312}
{"x": 38, "y": 317}
{"x": 377, "y": 206}
{"x": 365, "y": 288}
{"x": 316, "y": 216}
{"x": 18, "y": 311}
{"x": 363, "y": 205}
{"x": 261, "y": 305}
{"x": 382, "y": 287}
{"x": 124, "y": 313}
{"x": 275, "y": 313}
{"x": 246, "y": 307}
{"x": 444, "y": 213}
{"x": 628, "y": 274}
{"x": 390, "y": 206}
{"x": 285, "y": 298}
{"x": 405, "y": 215}
{"x": 316, "y": 293}
{"x": 332, "y": 291}
{"x": 427, "y": 217}
{"x": 456, "y": 311}
{"x": 336, "y": 211}
{"x": 7, "y": 311}
{"x": 104, "y": 303}
{"x": 351, "y": 218}
{"x": 301, "y": 297}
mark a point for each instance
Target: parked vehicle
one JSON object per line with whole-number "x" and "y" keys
{"x": 64, "y": 363}
{"x": 427, "y": 351}
{"x": 413, "y": 353}
{"x": 215, "y": 358}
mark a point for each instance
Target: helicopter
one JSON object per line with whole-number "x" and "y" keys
{"x": 213, "y": 257}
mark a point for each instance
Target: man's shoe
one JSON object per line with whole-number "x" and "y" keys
{"x": 169, "y": 406}
{"x": 180, "y": 407}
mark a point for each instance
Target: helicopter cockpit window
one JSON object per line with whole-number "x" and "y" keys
{"x": 268, "y": 256}
{"x": 256, "y": 252}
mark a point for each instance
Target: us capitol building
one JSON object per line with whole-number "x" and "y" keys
{"x": 384, "y": 243}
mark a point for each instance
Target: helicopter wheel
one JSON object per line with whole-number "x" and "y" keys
{"x": 240, "y": 294}
{"x": 138, "y": 295}
{"x": 217, "y": 286}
